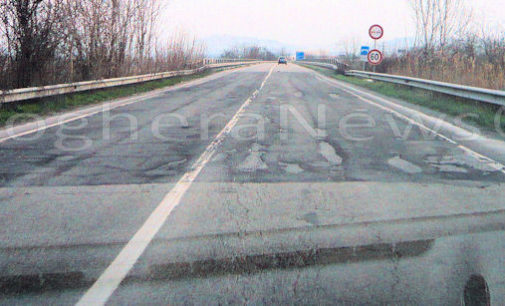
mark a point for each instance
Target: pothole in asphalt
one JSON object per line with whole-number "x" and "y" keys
{"x": 404, "y": 165}
{"x": 291, "y": 168}
{"x": 320, "y": 164}
{"x": 219, "y": 157}
{"x": 450, "y": 168}
{"x": 329, "y": 153}
{"x": 311, "y": 218}
{"x": 65, "y": 158}
{"x": 321, "y": 134}
{"x": 254, "y": 161}
{"x": 177, "y": 163}
{"x": 193, "y": 136}
{"x": 445, "y": 164}
{"x": 457, "y": 163}
{"x": 167, "y": 168}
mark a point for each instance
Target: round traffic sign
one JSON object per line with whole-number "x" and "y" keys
{"x": 376, "y": 32}
{"x": 375, "y": 57}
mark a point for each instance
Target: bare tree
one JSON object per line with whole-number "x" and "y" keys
{"x": 438, "y": 21}
{"x": 425, "y": 21}
{"x": 494, "y": 48}
{"x": 250, "y": 52}
{"x": 453, "y": 20}
{"x": 32, "y": 37}
{"x": 350, "y": 47}
{"x": 51, "y": 41}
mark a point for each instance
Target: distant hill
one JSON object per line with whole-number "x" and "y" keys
{"x": 216, "y": 44}
{"x": 394, "y": 45}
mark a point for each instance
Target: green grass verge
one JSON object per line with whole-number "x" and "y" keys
{"x": 453, "y": 106}
{"x": 23, "y": 111}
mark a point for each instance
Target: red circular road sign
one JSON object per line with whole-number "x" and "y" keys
{"x": 376, "y": 32}
{"x": 375, "y": 57}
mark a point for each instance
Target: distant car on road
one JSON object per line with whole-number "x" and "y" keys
{"x": 283, "y": 60}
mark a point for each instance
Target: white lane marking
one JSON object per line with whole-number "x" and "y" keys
{"x": 353, "y": 91}
{"x": 111, "y": 278}
{"x": 44, "y": 124}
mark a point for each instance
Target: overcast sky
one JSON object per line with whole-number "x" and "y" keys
{"x": 303, "y": 22}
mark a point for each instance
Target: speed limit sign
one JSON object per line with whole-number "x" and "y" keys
{"x": 376, "y": 32}
{"x": 375, "y": 57}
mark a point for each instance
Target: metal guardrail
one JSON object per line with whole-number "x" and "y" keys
{"x": 495, "y": 97}
{"x": 55, "y": 90}
{"x": 210, "y": 61}
{"x": 327, "y": 63}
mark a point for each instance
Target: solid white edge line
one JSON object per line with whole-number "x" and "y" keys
{"x": 105, "y": 106}
{"x": 111, "y": 278}
{"x": 354, "y": 91}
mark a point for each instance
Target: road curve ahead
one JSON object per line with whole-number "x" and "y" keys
{"x": 265, "y": 184}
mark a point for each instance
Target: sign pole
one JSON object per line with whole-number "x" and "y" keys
{"x": 375, "y": 47}
{"x": 375, "y": 57}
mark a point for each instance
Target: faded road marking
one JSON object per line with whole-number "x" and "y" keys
{"x": 111, "y": 278}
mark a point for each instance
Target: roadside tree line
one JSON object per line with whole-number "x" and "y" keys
{"x": 250, "y": 52}
{"x": 451, "y": 45}
{"x": 55, "y": 41}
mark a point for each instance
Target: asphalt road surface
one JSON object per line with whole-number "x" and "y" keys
{"x": 265, "y": 184}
